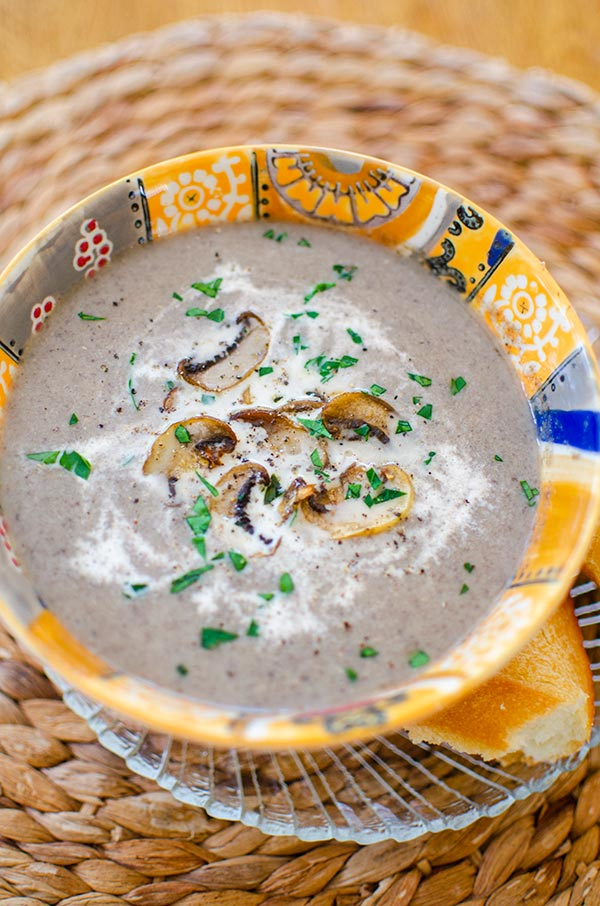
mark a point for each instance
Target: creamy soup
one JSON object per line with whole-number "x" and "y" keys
{"x": 268, "y": 469}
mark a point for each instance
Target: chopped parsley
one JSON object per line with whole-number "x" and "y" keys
{"x": 132, "y": 359}
{"x": 266, "y": 369}
{"x": 220, "y": 556}
{"x": 426, "y": 411}
{"x": 367, "y": 651}
{"x": 374, "y": 480}
{"x": 209, "y": 289}
{"x": 266, "y": 595}
{"x": 182, "y": 670}
{"x": 530, "y": 493}
{"x": 464, "y": 589}
{"x": 353, "y": 491}
{"x": 238, "y": 560}
{"x": 345, "y": 271}
{"x": 70, "y": 460}
{"x": 456, "y": 385}
{"x": 309, "y": 314}
{"x": 273, "y": 490}
{"x": 416, "y": 400}
{"x": 355, "y": 337}
{"x": 315, "y": 458}
{"x": 207, "y": 398}
{"x": 199, "y": 542}
{"x": 178, "y": 297}
{"x": 418, "y": 658}
{"x": 182, "y": 434}
{"x": 430, "y": 456}
{"x": 217, "y": 314}
{"x": 304, "y": 242}
{"x": 183, "y": 582}
{"x": 383, "y": 496}
{"x": 377, "y": 390}
{"x": 315, "y": 427}
{"x": 200, "y": 521}
{"x": 211, "y": 638}
{"x": 134, "y": 589}
{"x": 328, "y": 368}
{"x": 170, "y": 385}
{"x": 270, "y": 234}
{"x": 209, "y": 487}
{"x": 403, "y": 427}
{"x": 351, "y": 674}
{"x": 469, "y": 567}
{"x": 318, "y": 288}
{"x": 498, "y": 458}
{"x": 298, "y": 344}
{"x": 363, "y": 431}
{"x": 86, "y": 317}
{"x": 286, "y": 583}
{"x": 420, "y": 379}
{"x": 73, "y": 420}
{"x": 253, "y": 629}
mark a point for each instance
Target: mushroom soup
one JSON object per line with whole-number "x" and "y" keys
{"x": 280, "y": 469}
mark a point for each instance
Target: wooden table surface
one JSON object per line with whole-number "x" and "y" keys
{"x": 562, "y": 35}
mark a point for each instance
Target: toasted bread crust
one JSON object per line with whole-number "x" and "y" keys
{"x": 539, "y": 707}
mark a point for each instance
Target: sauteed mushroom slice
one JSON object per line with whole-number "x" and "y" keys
{"x": 353, "y": 507}
{"x": 347, "y": 412}
{"x": 186, "y": 445}
{"x": 233, "y": 363}
{"x": 234, "y": 505}
{"x": 283, "y": 435}
{"x": 303, "y": 404}
{"x": 297, "y": 491}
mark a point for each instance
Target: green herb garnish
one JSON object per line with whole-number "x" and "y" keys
{"x": 430, "y": 456}
{"x": 403, "y": 427}
{"x": 86, "y": 317}
{"x": 367, "y": 651}
{"x": 304, "y": 242}
{"x": 130, "y": 387}
{"x": 351, "y": 674}
{"x": 456, "y": 385}
{"x": 199, "y": 542}
{"x": 286, "y": 583}
{"x": 47, "y": 457}
{"x": 374, "y": 480}
{"x": 266, "y": 369}
{"x": 211, "y": 638}
{"x": 315, "y": 427}
{"x": 70, "y": 460}
{"x": 217, "y": 314}
{"x": 207, "y": 399}
{"x": 200, "y": 521}
{"x": 182, "y": 670}
{"x": 328, "y": 368}
{"x": 209, "y": 487}
{"x": 238, "y": 561}
{"x": 209, "y": 289}
{"x": 298, "y": 344}
{"x": 420, "y": 379}
{"x": 363, "y": 431}
{"x": 273, "y": 490}
{"x": 469, "y": 567}
{"x": 418, "y": 659}
{"x": 377, "y": 390}
{"x": 220, "y": 556}
{"x": 530, "y": 493}
{"x": 353, "y": 491}
{"x": 134, "y": 590}
{"x": 355, "y": 337}
{"x": 464, "y": 589}
{"x": 73, "y": 420}
{"x": 309, "y": 314}
{"x": 178, "y": 297}
{"x": 188, "y": 579}
{"x": 498, "y": 458}
{"x": 384, "y": 496}
{"x": 253, "y": 629}
{"x": 426, "y": 411}
{"x": 182, "y": 434}
{"x": 315, "y": 458}
{"x": 266, "y": 595}
{"x": 269, "y": 234}
{"x": 345, "y": 271}
{"x": 319, "y": 288}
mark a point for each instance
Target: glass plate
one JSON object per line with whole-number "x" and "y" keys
{"x": 388, "y": 788}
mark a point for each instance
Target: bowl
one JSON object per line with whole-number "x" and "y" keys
{"x": 461, "y": 244}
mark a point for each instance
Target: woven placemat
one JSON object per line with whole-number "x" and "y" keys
{"x": 75, "y": 826}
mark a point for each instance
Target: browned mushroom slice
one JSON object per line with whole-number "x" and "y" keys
{"x": 303, "y": 404}
{"x": 283, "y": 435}
{"x": 235, "y": 362}
{"x": 186, "y": 445}
{"x": 348, "y": 412}
{"x": 343, "y": 515}
{"x": 297, "y": 491}
{"x": 240, "y": 511}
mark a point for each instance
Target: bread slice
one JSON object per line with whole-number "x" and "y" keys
{"x": 540, "y": 707}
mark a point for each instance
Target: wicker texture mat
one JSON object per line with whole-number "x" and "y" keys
{"x": 75, "y": 826}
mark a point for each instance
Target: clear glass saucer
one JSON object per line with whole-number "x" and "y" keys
{"x": 388, "y": 788}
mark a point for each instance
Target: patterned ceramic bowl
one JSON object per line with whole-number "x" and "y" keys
{"x": 461, "y": 244}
